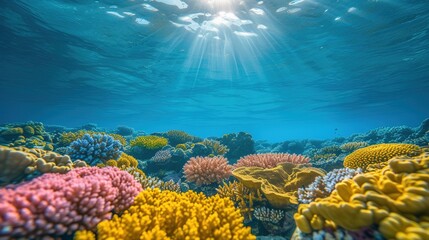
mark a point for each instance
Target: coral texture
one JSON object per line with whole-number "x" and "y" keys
{"x": 279, "y": 184}
{"x": 162, "y": 156}
{"x": 270, "y": 160}
{"x": 352, "y": 146}
{"x": 394, "y": 199}
{"x": 378, "y": 153}
{"x": 207, "y": 170}
{"x": 239, "y": 144}
{"x": 177, "y": 137}
{"x": 323, "y": 186}
{"x": 17, "y": 163}
{"x": 58, "y": 204}
{"x": 265, "y": 214}
{"x": 159, "y": 214}
{"x": 95, "y": 149}
{"x": 149, "y": 142}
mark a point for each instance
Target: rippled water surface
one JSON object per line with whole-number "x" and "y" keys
{"x": 278, "y": 69}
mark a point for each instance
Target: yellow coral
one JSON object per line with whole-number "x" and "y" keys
{"x": 378, "y": 153}
{"x": 160, "y": 215}
{"x": 84, "y": 235}
{"x": 279, "y": 184}
{"x": 242, "y": 197}
{"x": 149, "y": 142}
{"x": 68, "y": 137}
{"x": 125, "y": 162}
{"x": 394, "y": 198}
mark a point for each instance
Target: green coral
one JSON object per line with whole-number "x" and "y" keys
{"x": 149, "y": 142}
{"x": 177, "y": 137}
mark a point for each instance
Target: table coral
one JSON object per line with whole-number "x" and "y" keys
{"x": 362, "y": 157}
{"x": 279, "y": 184}
{"x": 394, "y": 199}
{"x": 270, "y": 160}
{"x": 207, "y": 170}
{"x": 159, "y": 214}
{"x": 59, "y": 204}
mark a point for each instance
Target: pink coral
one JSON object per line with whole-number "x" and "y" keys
{"x": 270, "y": 160}
{"x": 58, "y": 204}
{"x": 207, "y": 170}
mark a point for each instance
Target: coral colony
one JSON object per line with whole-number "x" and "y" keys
{"x": 90, "y": 183}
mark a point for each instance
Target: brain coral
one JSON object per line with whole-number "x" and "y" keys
{"x": 59, "y": 204}
{"x": 270, "y": 160}
{"x": 159, "y": 214}
{"x": 207, "y": 170}
{"x": 378, "y": 153}
{"x": 394, "y": 199}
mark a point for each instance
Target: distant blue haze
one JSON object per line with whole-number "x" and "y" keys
{"x": 277, "y": 69}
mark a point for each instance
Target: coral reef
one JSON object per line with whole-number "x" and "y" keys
{"x": 207, "y": 170}
{"x": 265, "y": 214}
{"x": 124, "y": 131}
{"x": 378, "y": 153}
{"x": 145, "y": 147}
{"x": 242, "y": 197}
{"x": 209, "y": 148}
{"x": 190, "y": 216}
{"x": 323, "y": 186}
{"x": 162, "y": 156}
{"x": 394, "y": 200}
{"x": 239, "y": 144}
{"x": 59, "y": 204}
{"x": 270, "y": 160}
{"x": 352, "y": 146}
{"x": 30, "y": 135}
{"x": 178, "y": 137}
{"x": 95, "y": 149}
{"x": 279, "y": 184}
{"x": 17, "y": 163}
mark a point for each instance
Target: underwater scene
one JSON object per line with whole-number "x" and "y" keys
{"x": 214, "y": 119}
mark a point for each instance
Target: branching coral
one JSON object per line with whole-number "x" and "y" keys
{"x": 242, "y": 197}
{"x": 207, "y": 170}
{"x": 378, "y": 153}
{"x": 59, "y": 204}
{"x": 394, "y": 199}
{"x": 95, "y": 149}
{"x": 265, "y": 214}
{"x": 162, "y": 156}
{"x": 323, "y": 186}
{"x": 159, "y": 214}
{"x": 270, "y": 160}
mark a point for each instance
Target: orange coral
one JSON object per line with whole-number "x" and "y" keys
{"x": 206, "y": 170}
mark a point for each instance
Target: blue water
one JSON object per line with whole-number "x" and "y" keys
{"x": 277, "y": 69}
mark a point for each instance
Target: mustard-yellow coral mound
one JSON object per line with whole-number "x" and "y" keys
{"x": 394, "y": 199}
{"x": 163, "y": 215}
{"x": 279, "y": 184}
{"x": 378, "y": 153}
{"x": 149, "y": 142}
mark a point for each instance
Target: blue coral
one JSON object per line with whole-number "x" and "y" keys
{"x": 95, "y": 149}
